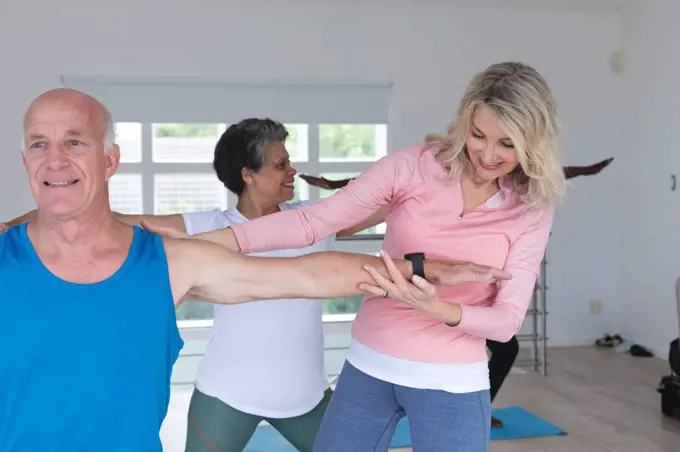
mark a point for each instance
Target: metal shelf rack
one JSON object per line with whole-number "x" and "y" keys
{"x": 537, "y": 314}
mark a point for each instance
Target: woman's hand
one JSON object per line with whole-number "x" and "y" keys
{"x": 223, "y": 237}
{"x": 165, "y": 231}
{"x": 422, "y": 295}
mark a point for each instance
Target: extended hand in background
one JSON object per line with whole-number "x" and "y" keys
{"x": 599, "y": 166}
{"x": 322, "y": 182}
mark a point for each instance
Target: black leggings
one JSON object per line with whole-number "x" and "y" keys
{"x": 503, "y": 355}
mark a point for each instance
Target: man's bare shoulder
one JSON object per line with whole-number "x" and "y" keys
{"x": 195, "y": 252}
{"x": 183, "y": 248}
{"x": 194, "y": 263}
{"x": 186, "y": 259}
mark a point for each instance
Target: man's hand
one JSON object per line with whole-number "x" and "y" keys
{"x": 448, "y": 273}
{"x": 420, "y": 294}
{"x": 210, "y": 272}
{"x": 3, "y": 227}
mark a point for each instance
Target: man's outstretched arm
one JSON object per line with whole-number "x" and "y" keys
{"x": 569, "y": 172}
{"x": 209, "y": 272}
{"x": 206, "y": 271}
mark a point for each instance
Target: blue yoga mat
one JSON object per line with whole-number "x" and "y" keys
{"x": 517, "y": 423}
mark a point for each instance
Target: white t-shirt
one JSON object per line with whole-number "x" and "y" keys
{"x": 264, "y": 357}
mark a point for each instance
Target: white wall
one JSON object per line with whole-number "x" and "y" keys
{"x": 429, "y": 51}
{"x": 649, "y": 210}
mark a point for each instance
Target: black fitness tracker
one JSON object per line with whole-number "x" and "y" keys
{"x": 418, "y": 261}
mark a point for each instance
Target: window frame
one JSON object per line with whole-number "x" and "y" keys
{"x": 313, "y": 165}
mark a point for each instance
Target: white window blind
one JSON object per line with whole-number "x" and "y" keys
{"x": 201, "y": 101}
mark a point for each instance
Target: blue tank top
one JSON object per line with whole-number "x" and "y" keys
{"x": 85, "y": 367}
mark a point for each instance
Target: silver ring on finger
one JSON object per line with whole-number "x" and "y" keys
{"x": 384, "y": 294}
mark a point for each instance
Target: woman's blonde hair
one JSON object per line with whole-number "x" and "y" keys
{"x": 525, "y": 107}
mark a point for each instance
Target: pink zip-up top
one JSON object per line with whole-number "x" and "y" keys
{"x": 426, "y": 216}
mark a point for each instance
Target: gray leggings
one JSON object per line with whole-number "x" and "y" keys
{"x": 214, "y": 426}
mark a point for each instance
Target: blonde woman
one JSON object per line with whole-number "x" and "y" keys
{"x": 503, "y": 354}
{"x": 483, "y": 192}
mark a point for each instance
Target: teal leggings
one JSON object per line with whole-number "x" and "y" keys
{"x": 214, "y": 426}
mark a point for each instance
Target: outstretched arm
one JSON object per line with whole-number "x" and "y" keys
{"x": 322, "y": 182}
{"x": 328, "y": 184}
{"x": 571, "y": 172}
{"x": 207, "y": 271}
{"x": 301, "y": 227}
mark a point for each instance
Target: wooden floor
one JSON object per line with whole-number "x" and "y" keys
{"x": 606, "y": 401}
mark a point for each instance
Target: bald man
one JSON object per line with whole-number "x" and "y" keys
{"x": 89, "y": 333}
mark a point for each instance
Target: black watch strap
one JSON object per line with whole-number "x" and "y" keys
{"x": 418, "y": 261}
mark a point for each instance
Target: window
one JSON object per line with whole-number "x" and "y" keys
{"x": 129, "y": 139}
{"x": 167, "y": 168}
{"x": 185, "y": 143}
{"x": 185, "y": 192}
{"x": 345, "y": 305}
{"x": 126, "y": 193}
{"x": 167, "y": 130}
{"x": 352, "y": 147}
{"x": 352, "y": 142}
{"x": 297, "y": 143}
